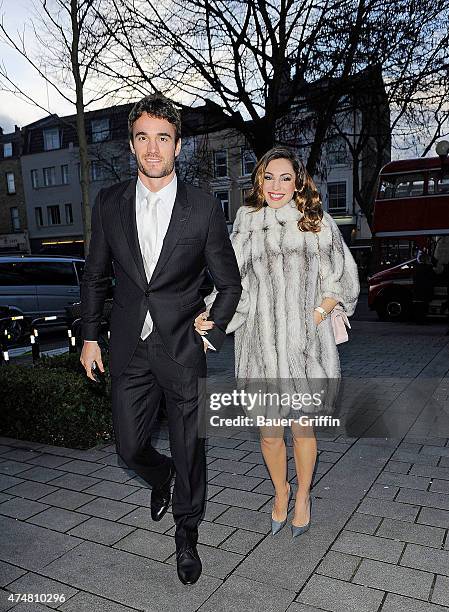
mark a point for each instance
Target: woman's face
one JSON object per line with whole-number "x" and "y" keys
{"x": 278, "y": 183}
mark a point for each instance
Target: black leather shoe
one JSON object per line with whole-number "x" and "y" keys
{"x": 161, "y": 496}
{"x": 188, "y": 564}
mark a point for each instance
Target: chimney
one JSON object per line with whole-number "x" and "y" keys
{"x": 16, "y": 128}
{"x": 1, "y": 131}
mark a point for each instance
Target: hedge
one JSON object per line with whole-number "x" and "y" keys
{"x": 54, "y": 403}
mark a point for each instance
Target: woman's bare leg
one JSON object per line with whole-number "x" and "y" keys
{"x": 305, "y": 453}
{"x": 275, "y": 454}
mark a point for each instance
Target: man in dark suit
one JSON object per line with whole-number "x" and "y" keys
{"x": 161, "y": 235}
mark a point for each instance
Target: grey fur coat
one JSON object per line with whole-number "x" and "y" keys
{"x": 275, "y": 334}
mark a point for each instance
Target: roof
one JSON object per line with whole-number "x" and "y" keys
{"x": 414, "y": 164}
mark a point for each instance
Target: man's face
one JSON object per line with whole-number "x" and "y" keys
{"x": 154, "y": 146}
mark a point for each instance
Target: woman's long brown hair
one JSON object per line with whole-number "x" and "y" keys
{"x": 306, "y": 195}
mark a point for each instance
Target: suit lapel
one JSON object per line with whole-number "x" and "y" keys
{"x": 180, "y": 214}
{"x": 129, "y": 223}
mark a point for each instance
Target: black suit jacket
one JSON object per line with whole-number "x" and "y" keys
{"x": 196, "y": 239}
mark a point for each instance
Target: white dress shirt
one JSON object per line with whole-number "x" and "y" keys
{"x": 165, "y": 203}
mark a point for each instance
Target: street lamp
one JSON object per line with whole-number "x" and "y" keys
{"x": 442, "y": 150}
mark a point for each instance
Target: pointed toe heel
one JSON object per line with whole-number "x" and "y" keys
{"x": 276, "y": 526}
{"x": 298, "y": 530}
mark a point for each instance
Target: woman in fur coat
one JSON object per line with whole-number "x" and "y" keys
{"x": 295, "y": 268}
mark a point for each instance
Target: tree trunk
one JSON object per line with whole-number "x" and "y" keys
{"x": 81, "y": 127}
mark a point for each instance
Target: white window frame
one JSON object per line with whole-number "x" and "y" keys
{"x": 336, "y": 211}
{"x": 52, "y": 139}
{"x": 49, "y": 214}
{"x": 68, "y": 214}
{"x": 98, "y": 172}
{"x": 64, "y": 174}
{"x": 101, "y": 130}
{"x": 7, "y": 149}
{"x": 35, "y": 178}
{"x": 337, "y": 151}
{"x": 244, "y": 162}
{"x": 226, "y": 207}
{"x": 49, "y": 176}
{"x": 39, "y": 217}
{"x": 10, "y": 183}
{"x": 15, "y": 219}
{"x": 216, "y": 166}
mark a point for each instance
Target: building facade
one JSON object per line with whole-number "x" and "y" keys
{"x": 13, "y": 214}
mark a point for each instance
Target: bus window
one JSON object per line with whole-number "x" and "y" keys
{"x": 438, "y": 183}
{"x": 386, "y": 187}
{"x": 409, "y": 185}
{"x": 405, "y": 186}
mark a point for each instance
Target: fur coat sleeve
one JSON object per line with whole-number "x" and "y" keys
{"x": 338, "y": 270}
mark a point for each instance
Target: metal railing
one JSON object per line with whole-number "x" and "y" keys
{"x": 36, "y": 353}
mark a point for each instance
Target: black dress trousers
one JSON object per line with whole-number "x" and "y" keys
{"x": 136, "y": 394}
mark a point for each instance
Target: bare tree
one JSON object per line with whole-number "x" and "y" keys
{"x": 256, "y": 59}
{"x": 60, "y": 46}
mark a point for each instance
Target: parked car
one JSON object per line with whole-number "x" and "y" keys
{"x": 408, "y": 290}
{"x": 39, "y": 285}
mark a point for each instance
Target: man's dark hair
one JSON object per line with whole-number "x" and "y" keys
{"x": 156, "y": 106}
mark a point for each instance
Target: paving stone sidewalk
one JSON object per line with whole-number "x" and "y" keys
{"x": 77, "y": 523}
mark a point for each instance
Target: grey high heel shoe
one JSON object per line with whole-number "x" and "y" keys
{"x": 298, "y": 530}
{"x": 277, "y": 525}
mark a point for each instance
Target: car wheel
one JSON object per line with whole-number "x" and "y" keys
{"x": 15, "y": 330}
{"x": 394, "y": 307}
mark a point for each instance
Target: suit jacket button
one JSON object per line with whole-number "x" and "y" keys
{"x": 147, "y": 293}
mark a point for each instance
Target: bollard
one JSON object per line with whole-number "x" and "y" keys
{"x": 72, "y": 341}
{"x": 4, "y": 347}
{"x": 35, "y": 349}
{"x": 6, "y": 337}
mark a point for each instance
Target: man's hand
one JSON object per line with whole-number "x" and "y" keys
{"x": 201, "y": 325}
{"x": 91, "y": 352}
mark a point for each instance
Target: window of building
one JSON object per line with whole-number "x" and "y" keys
{"x": 15, "y": 219}
{"x": 337, "y": 151}
{"x": 7, "y": 149}
{"x": 35, "y": 179}
{"x": 337, "y": 198}
{"x": 245, "y": 193}
{"x": 100, "y": 130}
{"x": 65, "y": 174}
{"x": 99, "y": 172}
{"x": 49, "y": 176}
{"x": 53, "y": 215}
{"x": 38, "y": 215}
{"x": 68, "y": 214}
{"x": 223, "y": 196}
{"x": 220, "y": 164}
{"x": 248, "y": 161}
{"x": 10, "y": 182}
{"x": 52, "y": 139}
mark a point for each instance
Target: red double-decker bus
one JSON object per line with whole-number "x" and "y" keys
{"x": 411, "y": 239}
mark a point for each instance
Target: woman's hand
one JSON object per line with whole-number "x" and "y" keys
{"x": 202, "y": 325}
{"x": 317, "y": 317}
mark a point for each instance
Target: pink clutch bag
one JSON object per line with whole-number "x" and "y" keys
{"x": 339, "y": 321}
{"x": 339, "y": 318}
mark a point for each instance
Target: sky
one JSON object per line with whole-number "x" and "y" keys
{"x": 14, "y": 111}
